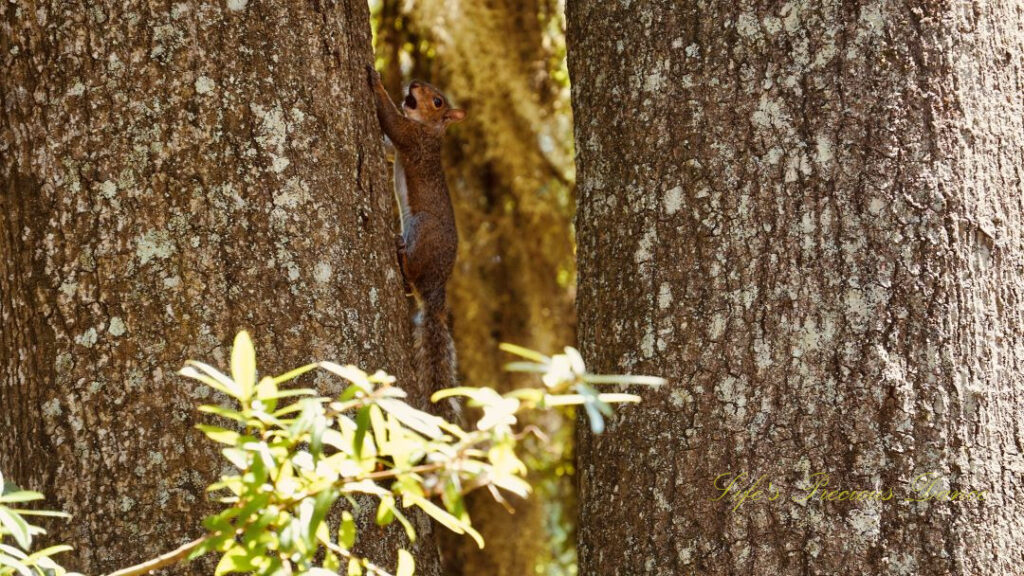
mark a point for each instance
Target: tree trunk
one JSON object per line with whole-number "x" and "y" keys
{"x": 174, "y": 173}
{"x": 810, "y": 220}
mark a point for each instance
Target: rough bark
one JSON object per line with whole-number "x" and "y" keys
{"x": 808, "y": 216}
{"x": 173, "y": 173}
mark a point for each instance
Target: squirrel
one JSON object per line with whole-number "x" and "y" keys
{"x": 429, "y": 240}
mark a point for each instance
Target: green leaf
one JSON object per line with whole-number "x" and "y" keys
{"x": 226, "y": 385}
{"x": 388, "y": 503}
{"x": 236, "y": 559}
{"x": 270, "y": 420}
{"x": 575, "y": 360}
{"x": 265, "y": 464}
{"x": 303, "y": 524}
{"x": 513, "y": 484}
{"x": 362, "y": 425}
{"x": 258, "y": 529}
{"x": 380, "y": 429}
{"x": 331, "y": 562}
{"x": 452, "y": 496}
{"x": 447, "y": 520}
{"x": 477, "y": 396}
{"x": 575, "y": 399}
{"x": 385, "y": 514}
{"x": 212, "y": 543}
{"x": 238, "y": 457}
{"x": 347, "y": 531}
{"x": 392, "y": 392}
{"x": 243, "y": 365}
{"x": 321, "y": 506}
{"x": 50, "y": 551}
{"x": 14, "y": 563}
{"x": 20, "y": 496}
{"x": 266, "y": 393}
{"x": 524, "y": 352}
{"x": 534, "y": 395}
{"x": 218, "y": 434}
{"x": 365, "y": 487}
{"x": 624, "y": 379}
{"x": 16, "y": 526}
{"x": 222, "y": 521}
{"x": 406, "y": 565}
{"x": 50, "y": 513}
{"x": 525, "y": 367}
{"x": 296, "y": 392}
{"x": 12, "y": 551}
{"x": 293, "y": 374}
{"x": 354, "y": 569}
{"x": 306, "y": 417}
{"x": 426, "y": 424}
{"x": 224, "y": 413}
{"x": 618, "y": 398}
{"x": 350, "y": 373}
{"x": 316, "y": 434}
{"x": 594, "y": 416}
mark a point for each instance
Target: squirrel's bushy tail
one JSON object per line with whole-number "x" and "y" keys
{"x": 434, "y": 345}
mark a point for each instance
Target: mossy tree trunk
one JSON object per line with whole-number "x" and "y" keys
{"x": 173, "y": 173}
{"x": 809, "y": 218}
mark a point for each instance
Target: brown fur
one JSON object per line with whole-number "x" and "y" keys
{"x": 429, "y": 240}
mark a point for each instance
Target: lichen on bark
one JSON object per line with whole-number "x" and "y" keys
{"x": 172, "y": 174}
{"x": 807, "y": 217}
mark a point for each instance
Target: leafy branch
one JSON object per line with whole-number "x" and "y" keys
{"x": 19, "y": 559}
{"x": 299, "y": 456}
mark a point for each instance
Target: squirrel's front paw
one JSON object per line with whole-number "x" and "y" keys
{"x": 372, "y": 76}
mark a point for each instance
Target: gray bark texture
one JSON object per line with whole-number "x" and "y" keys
{"x": 808, "y": 216}
{"x": 173, "y": 173}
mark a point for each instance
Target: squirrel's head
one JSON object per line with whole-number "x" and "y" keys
{"x": 426, "y": 105}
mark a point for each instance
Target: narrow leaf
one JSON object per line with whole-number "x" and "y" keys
{"x": 227, "y": 388}
{"x": 218, "y": 434}
{"x": 347, "y": 531}
{"x": 243, "y": 365}
{"x": 20, "y": 496}
{"x": 426, "y": 424}
{"x": 525, "y": 367}
{"x": 17, "y": 526}
{"x": 594, "y": 415}
{"x": 50, "y": 551}
{"x": 524, "y": 352}
{"x": 293, "y": 374}
{"x": 447, "y": 520}
{"x": 624, "y": 379}
{"x": 50, "y": 513}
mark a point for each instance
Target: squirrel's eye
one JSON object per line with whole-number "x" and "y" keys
{"x": 437, "y": 102}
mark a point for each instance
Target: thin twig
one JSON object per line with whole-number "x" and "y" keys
{"x": 395, "y": 472}
{"x": 172, "y": 557}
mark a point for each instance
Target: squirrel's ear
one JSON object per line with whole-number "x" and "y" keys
{"x": 454, "y": 115}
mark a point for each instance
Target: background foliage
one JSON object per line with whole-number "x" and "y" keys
{"x": 292, "y": 465}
